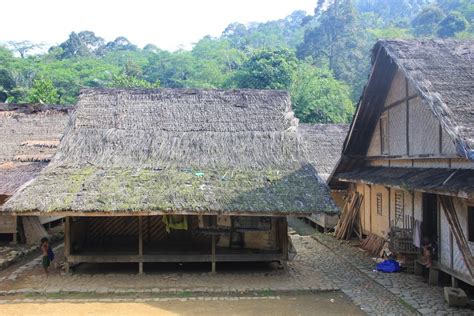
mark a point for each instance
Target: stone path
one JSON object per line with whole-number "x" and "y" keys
{"x": 372, "y": 297}
{"x": 323, "y": 264}
{"x": 412, "y": 289}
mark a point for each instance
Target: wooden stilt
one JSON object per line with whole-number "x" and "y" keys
{"x": 14, "y": 238}
{"x": 454, "y": 282}
{"x": 140, "y": 243}
{"x": 213, "y": 252}
{"x": 284, "y": 236}
{"x": 67, "y": 242}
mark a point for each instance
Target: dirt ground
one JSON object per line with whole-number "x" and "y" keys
{"x": 334, "y": 303}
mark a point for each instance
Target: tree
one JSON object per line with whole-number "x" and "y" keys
{"x": 317, "y": 97}
{"x": 91, "y": 41}
{"x": 7, "y": 84}
{"x": 43, "y": 91}
{"x": 74, "y": 46}
{"x": 24, "y": 47}
{"x": 426, "y": 22}
{"x": 339, "y": 44}
{"x": 453, "y": 23}
{"x": 267, "y": 69}
{"x": 119, "y": 44}
{"x": 124, "y": 81}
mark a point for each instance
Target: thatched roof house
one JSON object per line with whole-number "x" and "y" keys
{"x": 29, "y": 134}
{"x": 409, "y": 153}
{"x": 181, "y": 152}
{"x": 323, "y": 145}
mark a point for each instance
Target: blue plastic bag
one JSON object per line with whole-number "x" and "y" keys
{"x": 388, "y": 266}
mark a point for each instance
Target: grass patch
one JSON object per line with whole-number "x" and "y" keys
{"x": 266, "y": 292}
{"x": 184, "y": 294}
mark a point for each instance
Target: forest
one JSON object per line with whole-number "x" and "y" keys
{"x": 322, "y": 59}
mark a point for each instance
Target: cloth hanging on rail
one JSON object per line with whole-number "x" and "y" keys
{"x": 417, "y": 234}
{"x": 178, "y": 222}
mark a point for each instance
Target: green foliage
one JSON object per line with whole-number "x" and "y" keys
{"x": 267, "y": 69}
{"x": 318, "y": 97}
{"x": 391, "y": 32}
{"x": 325, "y": 78}
{"x": 453, "y": 23}
{"x": 339, "y": 43}
{"x": 426, "y": 22}
{"x": 125, "y": 81}
{"x": 43, "y": 91}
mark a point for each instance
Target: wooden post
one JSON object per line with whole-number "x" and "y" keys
{"x": 67, "y": 242}
{"x": 284, "y": 237}
{"x": 433, "y": 276}
{"x": 454, "y": 282}
{"x": 140, "y": 243}
{"x": 213, "y": 254}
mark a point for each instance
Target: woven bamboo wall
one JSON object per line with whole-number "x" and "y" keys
{"x": 423, "y": 129}
{"x": 397, "y": 90}
{"x": 374, "y": 147}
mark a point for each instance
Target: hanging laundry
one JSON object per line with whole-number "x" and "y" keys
{"x": 417, "y": 234}
{"x": 178, "y": 222}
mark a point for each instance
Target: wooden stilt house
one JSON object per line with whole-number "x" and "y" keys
{"x": 177, "y": 176}
{"x": 29, "y": 136}
{"x": 409, "y": 152}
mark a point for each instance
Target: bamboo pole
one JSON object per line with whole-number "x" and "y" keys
{"x": 213, "y": 254}
{"x": 140, "y": 243}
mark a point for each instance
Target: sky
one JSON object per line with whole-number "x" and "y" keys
{"x": 169, "y": 24}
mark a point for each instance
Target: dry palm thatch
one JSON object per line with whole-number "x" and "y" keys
{"x": 178, "y": 151}
{"x": 323, "y": 145}
{"x": 29, "y": 136}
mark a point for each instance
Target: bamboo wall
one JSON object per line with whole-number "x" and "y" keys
{"x": 7, "y": 223}
{"x": 426, "y": 136}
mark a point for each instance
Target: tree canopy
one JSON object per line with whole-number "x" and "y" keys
{"x": 322, "y": 59}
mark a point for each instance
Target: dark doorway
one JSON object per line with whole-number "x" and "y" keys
{"x": 430, "y": 217}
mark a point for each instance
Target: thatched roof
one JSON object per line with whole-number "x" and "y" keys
{"x": 442, "y": 74}
{"x": 29, "y": 136}
{"x": 457, "y": 182}
{"x": 323, "y": 145}
{"x": 178, "y": 151}
{"x": 442, "y": 71}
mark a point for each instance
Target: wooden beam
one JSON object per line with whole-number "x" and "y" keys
{"x": 140, "y": 243}
{"x": 283, "y": 233}
{"x": 440, "y": 143}
{"x": 407, "y": 122}
{"x": 456, "y": 229}
{"x": 67, "y": 242}
{"x": 399, "y": 102}
{"x": 236, "y": 257}
{"x": 213, "y": 254}
{"x": 143, "y": 213}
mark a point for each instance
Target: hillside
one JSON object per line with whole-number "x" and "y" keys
{"x": 322, "y": 58}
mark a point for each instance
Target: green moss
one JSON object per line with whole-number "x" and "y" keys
{"x": 72, "y": 185}
{"x": 129, "y": 189}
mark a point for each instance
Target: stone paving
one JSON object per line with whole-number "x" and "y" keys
{"x": 413, "y": 290}
{"x": 322, "y": 264}
{"x": 10, "y": 253}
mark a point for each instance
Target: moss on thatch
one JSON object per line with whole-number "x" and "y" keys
{"x": 179, "y": 151}
{"x": 323, "y": 145}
